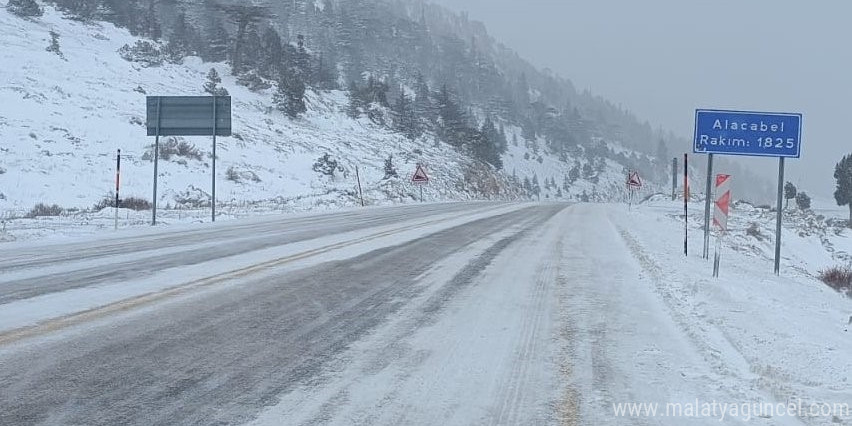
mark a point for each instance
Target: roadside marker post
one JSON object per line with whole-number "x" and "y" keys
{"x": 358, "y": 178}
{"x": 750, "y": 133}
{"x": 117, "y": 175}
{"x": 707, "y": 190}
{"x": 720, "y": 215}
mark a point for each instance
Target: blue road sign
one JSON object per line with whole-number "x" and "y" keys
{"x": 763, "y": 134}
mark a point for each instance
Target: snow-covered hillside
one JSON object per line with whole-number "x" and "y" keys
{"x": 66, "y": 114}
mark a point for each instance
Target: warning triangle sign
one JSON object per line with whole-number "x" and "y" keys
{"x": 420, "y": 176}
{"x": 633, "y": 180}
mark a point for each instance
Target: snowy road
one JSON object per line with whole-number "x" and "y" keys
{"x": 477, "y": 313}
{"x": 222, "y": 352}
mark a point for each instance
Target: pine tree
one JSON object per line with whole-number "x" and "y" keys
{"x": 482, "y": 148}
{"x": 566, "y": 184}
{"x": 252, "y": 50}
{"x": 663, "y": 157}
{"x": 302, "y": 61}
{"x": 184, "y": 38}
{"x": 273, "y": 53}
{"x": 588, "y": 171}
{"x": 217, "y": 41}
{"x": 390, "y": 169}
{"x": 528, "y": 185}
{"x": 803, "y": 201}
{"x": 149, "y": 26}
{"x": 405, "y": 121}
{"x": 536, "y": 188}
{"x": 453, "y": 128}
{"x": 243, "y": 17}
{"x": 843, "y": 176}
{"x": 54, "y": 44}
{"x": 326, "y": 72}
{"x": 574, "y": 173}
{"x": 290, "y": 97}
{"x": 423, "y": 107}
{"x": 212, "y": 84}
{"x": 789, "y": 193}
{"x": 85, "y": 10}
{"x": 25, "y": 8}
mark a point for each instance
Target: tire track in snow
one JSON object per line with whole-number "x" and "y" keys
{"x": 389, "y": 365}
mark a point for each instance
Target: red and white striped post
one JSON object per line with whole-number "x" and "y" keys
{"x": 720, "y": 214}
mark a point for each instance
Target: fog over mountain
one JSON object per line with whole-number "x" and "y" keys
{"x": 662, "y": 59}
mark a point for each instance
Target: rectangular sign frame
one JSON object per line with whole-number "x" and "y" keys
{"x": 748, "y": 133}
{"x": 188, "y": 115}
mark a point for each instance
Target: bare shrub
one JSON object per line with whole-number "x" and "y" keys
{"x": 42, "y": 209}
{"x": 132, "y": 203}
{"x": 838, "y": 278}
{"x": 172, "y": 147}
{"x": 753, "y": 230}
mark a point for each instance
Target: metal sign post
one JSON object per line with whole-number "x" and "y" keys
{"x": 686, "y": 204}
{"x": 188, "y": 116}
{"x": 156, "y": 155}
{"x": 760, "y": 134}
{"x": 707, "y": 190}
{"x": 779, "y": 217}
{"x": 117, "y": 175}
{"x": 213, "y": 186}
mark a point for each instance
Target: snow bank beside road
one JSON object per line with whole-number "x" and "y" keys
{"x": 777, "y": 338}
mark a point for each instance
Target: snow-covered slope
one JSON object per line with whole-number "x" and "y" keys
{"x": 65, "y": 115}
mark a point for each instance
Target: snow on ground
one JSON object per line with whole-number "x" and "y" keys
{"x": 764, "y": 338}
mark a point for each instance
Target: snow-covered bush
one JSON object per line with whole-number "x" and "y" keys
{"x": 238, "y": 176}
{"x": 143, "y": 52}
{"x": 753, "y": 230}
{"x": 193, "y": 197}
{"x": 25, "y": 8}
{"x": 172, "y": 147}
{"x": 253, "y": 81}
{"x": 325, "y": 165}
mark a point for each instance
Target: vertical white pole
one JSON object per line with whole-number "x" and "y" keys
{"x": 780, "y": 216}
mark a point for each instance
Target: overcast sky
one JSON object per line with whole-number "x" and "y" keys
{"x": 662, "y": 59}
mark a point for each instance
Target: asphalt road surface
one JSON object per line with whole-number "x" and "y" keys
{"x": 409, "y": 315}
